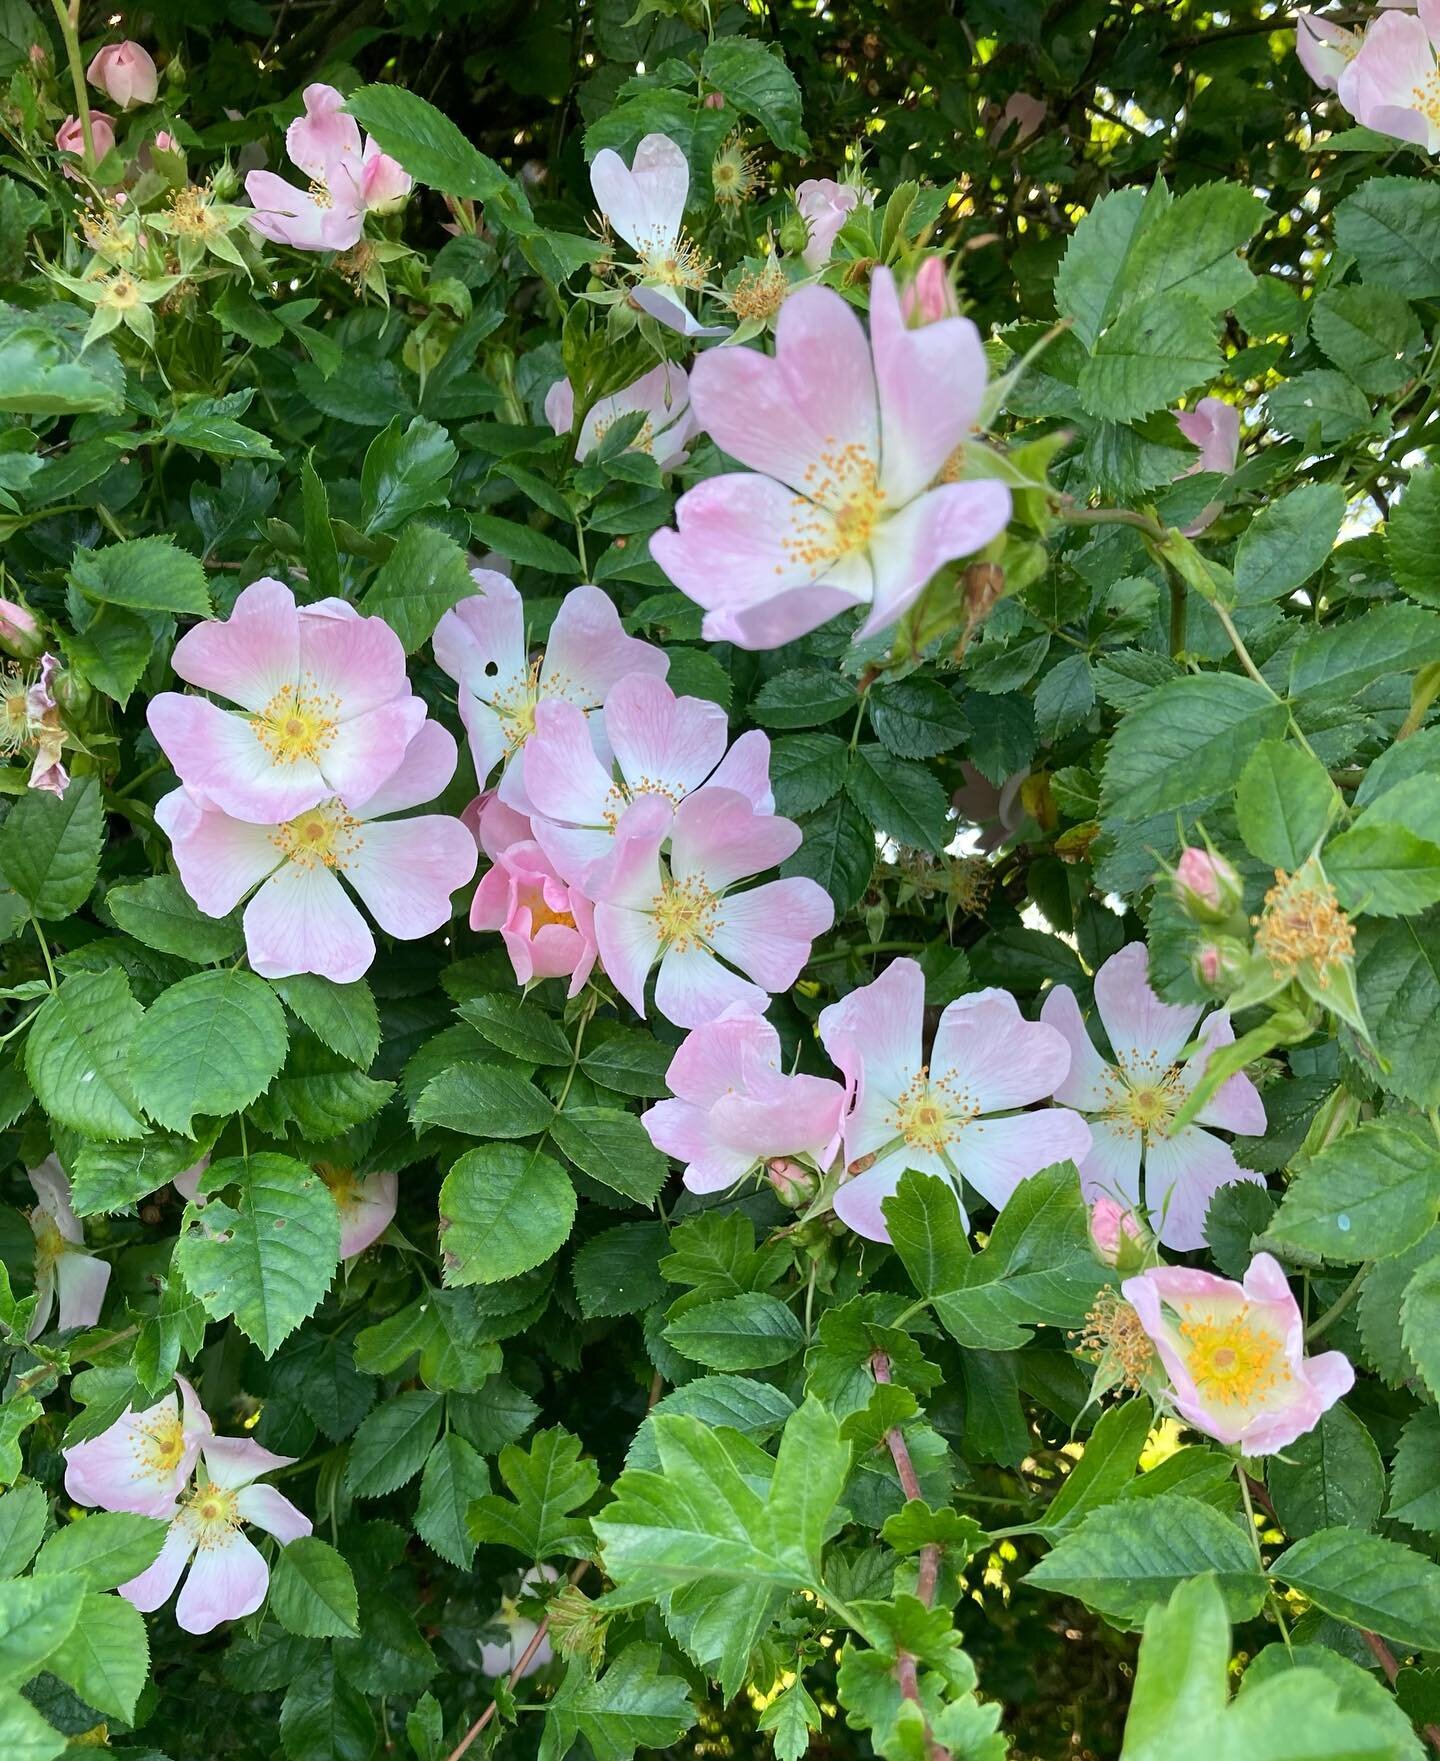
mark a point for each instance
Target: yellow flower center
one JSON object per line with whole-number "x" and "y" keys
{"x": 159, "y": 1443}
{"x": 49, "y": 1242}
{"x": 1143, "y": 1101}
{"x": 298, "y": 722}
{"x": 122, "y": 292}
{"x": 685, "y": 914}
{"x": 1303, "y": 924}
{"x": 678, "y": 263}
{"x": 533, "y": 901}
{"x": 929, "y": 1115}
{"x": 845, "y": 483}
{"x": 344, "y": 1188}
{"x": 1233, "y": 1359}
{"x": 211, "y": 1514}
{"x": 325, "y": 836}
{"x": 1426, "y": 97}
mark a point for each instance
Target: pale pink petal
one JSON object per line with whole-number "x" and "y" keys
{"x": 1182, "y": 1175}
{"x": 383, "y": 180}
{"x": 1324, "y": 49}
{"x": 406, "y": 871}
{"x": 52, "y": 1189}
{"x": 630, "y": 875}
{"x": 362, "y": 759}
{"x": 272, "y": 1511}
{"x": 773, "y": 623}
{"x": 357, "y": 661}
{"x": 219, "y": 858}
{"x": 824, "y": 205}
{"x": 1236, "y": 1105}
{"x": 768, "y": 931}
{"x": 227, "y": 1581}
{"x": 664, "y": 744}
{"x": 942, "y": 525}
{"x": 560, "y": 407}
{"x": 745, "y": 768}
{"x": 302, "y": 920}
{"x": 156, "y": 1584}
{"x": 1396, "y": 61}
{"x": 80, "y": 1283}
{"x": 322, "y": 134}
{"x": 122, "y": 1470}
{"x": 1145, "y": 1033}
{"x": 496, "y": 826}
{"x": 564, "y": 780}
{"x": 686, "y": 1132}
{"x": 782, "y": 1116}
{"x": 481, "y": 641}
{"x": 1001, "y": 1060}
{"x": 628, "y": 943}
{"x": 1087, "y": 1083}
{"x": 995, "y": 1155}
{"x": 289, "y": 216}
{"x": 365, "y": 1218}
{"x": 233, "y": 1462}
{"x": 713, "y": 1060}
{"x": 930, "y": 383}
{"x": 588, "y": 652}
{"x": 503, "y": 1659}
{"x": 424, "y": 771}
{"x": 806, "y": 415}
{"x": 1111, "y": 1168}
{"x": 644, "y": 202}
{"x": 251, "y": 655}
{"x": 1213, "y": 426}
{"x": 719, "y": 838}
{"x": 878, "y": 1027}
{"x": 219, "y": 759}
{"x": 858, "y": 1203}
{"x": 666, "y": 307}
{"x": 693, "y": 987}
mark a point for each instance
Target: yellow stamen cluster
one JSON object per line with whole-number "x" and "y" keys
{"x": 324, "y": 836}
{"x": 1114, "y": 1340}
{"x": 686, "y": 913}
{"x": 1303, "y": 925}
{"x": 1425, "y": 97}
{"x": 929, "y": 1115}
{"x": 845, "y": 483}
{"x": 1233, "y": 1359}
{"x": 533, "y": 901}
{"x": 16, "y": 728}
{"x": 734, "y": 174}
{"x": 158, "y": 1442}
{"x": 211, "y": 1514}
{"x": 192, "y": 215}
{"x": 759, "y": 294}
{"x": 676, "y": 262}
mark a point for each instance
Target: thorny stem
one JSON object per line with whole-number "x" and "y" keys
{"x": 929, "y": 1565}
{"x": 525, "y": 1659}
{"x": 1385, "y": 1657}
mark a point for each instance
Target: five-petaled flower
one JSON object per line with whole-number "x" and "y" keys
{"x": 143, "y": 1461}
{"x": 65, "y": 1274}
{"x": 546, "y": 924}
{"x": 1131, "y": 1101}
{"x": 1235, "y": 1354}
{"x": 346, "y": 180}
{"x": 846, "y": 439}
{"x": 1392, "y": 81}
{"x": 956, "y": 1113}
{"x": 645, "y": 203}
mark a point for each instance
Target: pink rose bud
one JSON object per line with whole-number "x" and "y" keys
{"x": 1220, "y": 964}
{"x": 794, "y": 1184}
{"x": 165, "y": 142}
{"x": 714, "y": 100}
{"x": 70, "y": 136}
{"x": 1112, "y": 1226}
{"x": 39, "y": 60}
{"x": 929, "y": 295}
{"x": 125, "y": 73}
{"x": 19, "y": 632}
{"x": 1207, "y": 886}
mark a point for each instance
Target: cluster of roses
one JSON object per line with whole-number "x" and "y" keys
{"x": 1386, "y": 75}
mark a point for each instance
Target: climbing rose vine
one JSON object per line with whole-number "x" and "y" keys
{"x": 720, "y": 881}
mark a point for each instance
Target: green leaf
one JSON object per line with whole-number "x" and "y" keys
{"x": 548, "y": 1482}
{"x": 1397, "y": 977}
{"x": 614, "y": 1148}
{"x": 207, "y": 1045}
{"x": 1342, "y": 659}
{"x": 615, "y": 1273}
{"x": 1412, "y": 537}
{"x": 523, "y": 544}
{"x": 1369, "y": 333}
{"x": 104, "y": 1549}
{"x": 916, "y": 717}
{"x": 312, "y": 1591}
{"x": 1383, "y": 869}
{"x": 322, "y": 560}
{"x": 455, "y": 1476}
{"x": 838, "y": 850}
{"x": 1149, "y": 357}
{"x": 502, "y": 1210}
{"x": 899, "y": 798}
{"x": 77, "y": 1055}
{"x": 751, "y": 1331}
{"x": 804, "y": 698}
{"x": 392, "y": 1443}
{"x": 1375, "y": 1584}
{"x": 24, "y": 1734}
{"x": 484, "y": 1101}
{"x": 1391, "y": 226}
{"x": 629, "y": 1062}
{"x": 160, "y": 913}
{"x": 343, "y": 1016}
{"x": 36, "y": 1616}
{"x": 1192, "y": 246}
{"x": 106, "y": 1657}
{"x": 631, "y": 1706}
{"x": 1283, "y": 803}
{"x": 1420, "y": 1323}
{"x": 1186, "y": 740}
{"x": 23, "y": 1515}
{"x": 1126, "y": 1557}
{"x": 806, "y": 770}
{"x": 144, "y": 574}
{"x": 426, "y": 143}
{"x": 45, "y": 369}
{"x": 406, "y": 470}
{"x": 268, "y": 1259}
{"x": 518, "y": 1027}
{"x": 324, "y": 1718}
{"x": 1087, "y": 287}
{"x": 1288, "y": 542}
{"x": 1318, "y": 408}
{"x": 756, "y": 82}
{"x": 1332, "y": 1477}
{"x": 417, "y": 584}
{"x": 1105, "y": 1468}
{"x": 1414, "y": 1487}
{"x": 1370, "y": 1194}
{"x": 210, "y": 425}
{"x": 50, "y": 847}
{"x": 1064, "y": 697}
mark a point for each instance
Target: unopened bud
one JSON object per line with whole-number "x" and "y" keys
{"x": 72, "y": 694}
{"x": 1115, "y": 1231}
{"x": 714, "y": 100}
{"x": 1220, "y": 964}
{"x": 19, "y": 632}
{"x": 794, "y": 1183}
{"x": 794, "y": 234}
{"x": 928, "y": 296}
{"x": 1207, "y": 887}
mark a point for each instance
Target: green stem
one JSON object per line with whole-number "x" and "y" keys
{"x": 1339, "y": 1306}
{"x": 1178, "y": 608}
{"x": 864, "y": 952}
{"x": 1273, "y": 1599}
{"x": 69, "y": 23}
{"x": 45, "y": 950}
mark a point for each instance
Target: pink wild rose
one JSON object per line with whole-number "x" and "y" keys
{"x": 1213, "y": 426}
{"x": 1235, "y": 1354}
{"x": 229, "y": 1576}
{"x": 686, "y": 915}
{"x": 125, "y": 73}
{"x": 66, "y": 1276}
{"x": 45, "y": 730}
{"x": 326, "y": 707}
{"x": 1130, "y": 1103}
{"x": 365, "y": 1203}
{"x": 70, "y": 137}
{"x": 1392, "y": 82}
{"x": 301, "y": 919}
{"x": 823, "y": 206}
{"x": 346, "y": 180}
{"x": 143, "y": 1461}
{"x": 662, "y": 394}
{"x": 845, "y": 439}
{"x": 931, "y": 1113}
{"x": 546, "y": 924}
{"x": 481, "y": 644}
{"x": 1025, "y": 114}
{"x": 644, "y": 203}
{"x": 929, "y": 295}
{"x": 19, "y": 631}
{"x": 733, "y": 1108}
{"x": 646, "y": 741}
{"x": 1325, "y": 48}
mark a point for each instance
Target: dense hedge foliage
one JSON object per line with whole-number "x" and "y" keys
{"x": 720, "y": 880}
